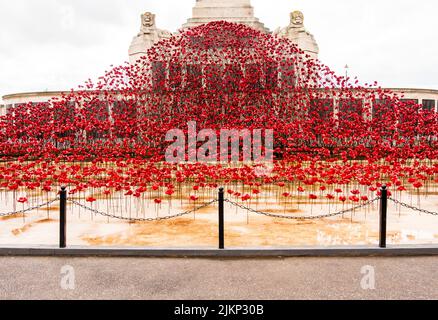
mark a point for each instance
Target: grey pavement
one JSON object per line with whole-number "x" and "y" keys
{"x": 171, "y": 278}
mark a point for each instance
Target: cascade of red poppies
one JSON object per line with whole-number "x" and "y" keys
{"x": 329, "y": 131}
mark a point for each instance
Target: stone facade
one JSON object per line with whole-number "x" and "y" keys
{"x": 237, "y": 11}
{"x": 420, "y": 96}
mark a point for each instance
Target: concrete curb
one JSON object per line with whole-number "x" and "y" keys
{"x": 48, "y": 251}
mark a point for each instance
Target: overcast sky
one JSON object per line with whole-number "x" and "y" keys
{"x": 58, "y": 44}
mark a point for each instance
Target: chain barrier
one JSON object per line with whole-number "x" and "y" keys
{"x": 241, "y": 206}
{"x": 142, "y": 219}
{"x": 413, "y": 208}
{"x": 365, "y": 204}
{"x": 29, "y": 209}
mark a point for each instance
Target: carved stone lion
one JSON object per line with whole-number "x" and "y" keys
{"x": 297, "y": 18}
{"x": 147, "y": 20}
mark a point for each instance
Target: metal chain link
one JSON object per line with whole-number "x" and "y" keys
{"x": 142, "y": 219}
{"x": 303, "y": 217}
{"x": 29, "y": 209}
{"x": 413, "y": 208}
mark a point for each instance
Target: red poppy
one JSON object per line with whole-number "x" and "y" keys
{"x": 170, "y": 192}
{"x": 246, "y": 197}
{"x": 22, "y": 200}
{"x": 91, "y": 199}
{"x": 418, "y": 185}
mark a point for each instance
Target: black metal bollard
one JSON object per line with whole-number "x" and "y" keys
{"x": 221, "y": 219}
{"x": 383, "y": 215}
{"x": 63, "y": 218}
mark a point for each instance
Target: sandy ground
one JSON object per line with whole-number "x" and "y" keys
{"x": 243, "y": 229}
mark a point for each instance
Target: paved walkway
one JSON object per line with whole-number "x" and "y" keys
{"x": 294, "y": 278}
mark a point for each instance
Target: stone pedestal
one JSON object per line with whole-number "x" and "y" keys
{"x": 237, "y": 11}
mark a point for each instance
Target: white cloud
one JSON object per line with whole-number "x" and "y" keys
{"x": 57, "y": 44}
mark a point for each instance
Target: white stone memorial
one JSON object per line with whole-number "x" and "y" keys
{"x": 205, "y": 11}
{"x": 236, "y": 11}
